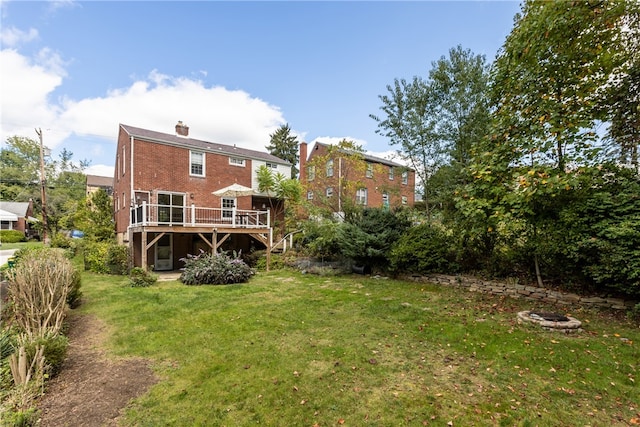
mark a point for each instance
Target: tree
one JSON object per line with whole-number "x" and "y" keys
{"x": 286, "y": 191}
{"x": 546, "y": 87}
{"x": 550, "y": 75}
{"x": 20, "y": 179}
{"x": 285, "y": 146}
{"x": 367, "y": 238}
{"x": 436, "y": 121}
{"x": 339, "y": 167}
{"x": 95, "y": 217}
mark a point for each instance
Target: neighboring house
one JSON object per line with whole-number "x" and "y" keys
{"x": 18, "y": 216}
{"x": 95, "y": 182}
{"x": 334, "y": 177}
{"x": 165, "y": 199}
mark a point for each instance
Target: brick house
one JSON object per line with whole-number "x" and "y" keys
{"x": 164, "y": 201}
{"x": 18, "y": 216}
{"x": 334, "y": 177}
{"x": 96, "y": 182}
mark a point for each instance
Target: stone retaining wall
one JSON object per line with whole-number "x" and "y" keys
{"x": 516, "y": 290}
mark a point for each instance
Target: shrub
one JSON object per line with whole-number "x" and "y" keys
{"x": 73, "y": 297}
{"x": 95, "y": 254}
{"x": 39, "y": 289}
{"x": 59, "y": 240}
{"x": 118, "y": 259}
{"x": 216, "y": 269}
{"x": 55, "y": 349}
{"x": 12, "y": 236}
{"x": 423, "y": 249}
{"x": 141, "y": 278}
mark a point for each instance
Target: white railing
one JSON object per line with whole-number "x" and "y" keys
{"x": 285, "y": 243}
{"x": 193, "y": 216}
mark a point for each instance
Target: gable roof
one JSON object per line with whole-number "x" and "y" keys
{"x": 367, "y": 157}
{"x": 17, "y": 208}
{"x": 190, "y": 143}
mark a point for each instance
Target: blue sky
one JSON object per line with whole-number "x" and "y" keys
{"x": 232, "y": 71}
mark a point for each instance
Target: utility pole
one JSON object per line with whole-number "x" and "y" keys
{"x": 43, "y": 192}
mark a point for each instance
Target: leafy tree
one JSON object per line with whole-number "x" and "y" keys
{"x": 621, "y": 104}
{"x": 95, "y": 217}
{"x": 549, "y": 76}
{"x": 284, "y": 193}
{"x": 285, "y": 146}
{"x": 348, "y": 167}
{"x": 20, "y": 179}
{"x": 435, "y": 121}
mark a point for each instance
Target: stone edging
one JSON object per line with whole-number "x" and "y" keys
{"x": 516, "y": 290}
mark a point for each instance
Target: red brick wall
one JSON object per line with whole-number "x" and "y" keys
{"x": 163, "y": 167}
{"x": 355, "y": 171}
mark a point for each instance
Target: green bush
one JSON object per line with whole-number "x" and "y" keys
{"x": 141, "y": 278}
{"x": 55, "y": 349}
{"x": 95, "y": 255}
{"x": 73, "y": 297}
{"x": 118, "y": 259}
{"x": 59, "y": 240}
{"x": 216, "y": 269}
{"x": 12, "y": 236}
{"x": 422, "y": 249}
{"x": 106, "y": 257}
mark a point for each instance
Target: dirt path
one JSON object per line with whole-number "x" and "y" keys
{"x": 91, "y": 390}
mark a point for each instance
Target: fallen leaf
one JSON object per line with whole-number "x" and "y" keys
{"x": 341, "y": 421}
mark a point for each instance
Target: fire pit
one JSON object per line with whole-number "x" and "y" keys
{"x": 551, "y": 321}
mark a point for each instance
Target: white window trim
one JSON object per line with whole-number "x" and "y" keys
{"x": 204, "y": 156}
{"x": 405, "y": 178}
{"x": 237, "y": 161}
{"x": 369, "y": 172}
{"x": 329, "y": 191}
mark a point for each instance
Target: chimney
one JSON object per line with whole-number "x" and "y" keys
{"x": 303, "y": 162}
{"x": 182, "y": 129}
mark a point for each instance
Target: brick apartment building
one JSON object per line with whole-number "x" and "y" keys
{"x": 164, "y": 201}
{"x": 334, "y": 177}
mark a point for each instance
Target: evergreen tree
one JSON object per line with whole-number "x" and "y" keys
{"x": 285, "y": 146}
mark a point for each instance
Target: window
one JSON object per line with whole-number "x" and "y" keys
{"x": 369, "y": 170}
{"x": 330, "y": 167}
{"x": 227, "y": 208}
{"x": 171, "y": 208}
{"x": 309, "y": 195}
{"x": 311, "y": 173}
{"x": 361, "y": 197}
{"x": 385, "y": 200}
{"x": 272, "y": 165}
{"x": 235, "y": 161}
{"x": 329, "y": 191}
{"x": 404, "y": 200}
{"x": 197, "y": 163}
{"x": 122, "y": 158}
{"x": 390, "y": 173}
{"x": 405, "y": 177}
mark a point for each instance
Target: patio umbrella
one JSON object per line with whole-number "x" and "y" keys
{"x": 234, "y": 190}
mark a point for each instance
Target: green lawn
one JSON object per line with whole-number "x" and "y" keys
{"x": 289, "y": 349}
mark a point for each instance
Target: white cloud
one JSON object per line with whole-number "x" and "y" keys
{"x": 100, "y": 170}
{"x": 12, "y": 36}
{"x": 26, "y": 85}
{"x": 154, "y": 102}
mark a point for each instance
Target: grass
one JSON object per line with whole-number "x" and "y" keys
{"x": 20, "y": 245}
{"x": 303, "y": 350}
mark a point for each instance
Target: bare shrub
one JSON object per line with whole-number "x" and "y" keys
{"x": 39, "y": 288}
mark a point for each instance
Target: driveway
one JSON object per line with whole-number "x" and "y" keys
{"x": 5, "y": 254}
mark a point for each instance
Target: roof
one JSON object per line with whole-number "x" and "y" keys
{"x": 8, "y": 216}
{"x": 210, "y": 147}
{"x": 99, "y": 181}
{"x": 370, "y": 158}
{"x": 17, "y": 208}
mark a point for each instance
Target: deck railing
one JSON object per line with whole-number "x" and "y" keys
{"x": 193, "y": 216}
